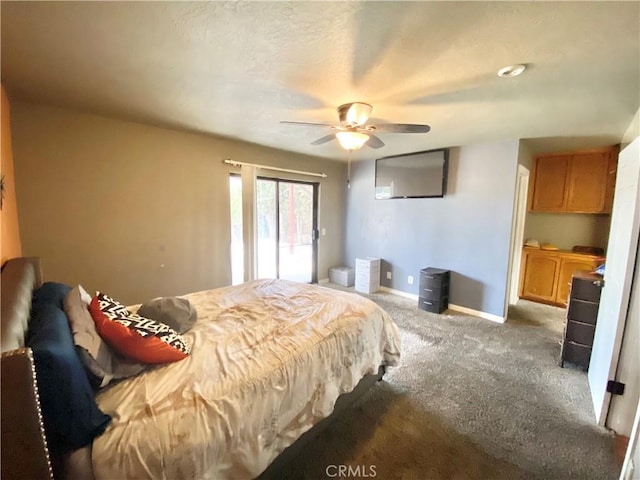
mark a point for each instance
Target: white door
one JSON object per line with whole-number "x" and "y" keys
{"x": 614, "y": 302}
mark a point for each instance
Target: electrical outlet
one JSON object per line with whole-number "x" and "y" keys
{"x": 410, "y": 280}
{"x": 388, "y": 275}
{"x": 323, "y": 232}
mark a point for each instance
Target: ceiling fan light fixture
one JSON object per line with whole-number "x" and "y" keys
{"x": 356, "y": 113}
{"x": 511, "y": 70}
{"x": 352, "y": 141}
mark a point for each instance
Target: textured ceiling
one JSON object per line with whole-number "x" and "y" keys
{"x": 236, "y": 69}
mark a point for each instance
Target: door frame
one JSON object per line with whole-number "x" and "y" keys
{"x": 517, "y": 236}
{"x": 630, "y": 467}
{"x": 314, "y": 223}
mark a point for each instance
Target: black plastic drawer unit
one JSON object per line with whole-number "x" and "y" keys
{"x": 582, "y": 314}
{"x": 434, "y": 290}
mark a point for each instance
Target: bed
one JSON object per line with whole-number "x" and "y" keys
{"x": 272, "y": 363}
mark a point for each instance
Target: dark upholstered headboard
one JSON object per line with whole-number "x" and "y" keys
{"x": 20, "y": 277}
{"x": 24, "y": 451}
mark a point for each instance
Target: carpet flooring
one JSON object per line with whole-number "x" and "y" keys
{"x": 471, "y": 399}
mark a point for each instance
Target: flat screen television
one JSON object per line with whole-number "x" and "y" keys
{"x": 412, "y": 175}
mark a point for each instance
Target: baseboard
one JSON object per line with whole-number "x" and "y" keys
{"x": 477, "y": 313}
{"x": 457, "y": 308}
{"x": 400, "y": 293}
{"x": 323, "y": 280}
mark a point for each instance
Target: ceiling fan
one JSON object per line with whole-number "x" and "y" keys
{"x": 353, "y": 131}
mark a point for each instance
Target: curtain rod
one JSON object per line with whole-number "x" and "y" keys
{"x": 266, "y": 167}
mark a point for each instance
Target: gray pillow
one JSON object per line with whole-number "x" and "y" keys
{"x": 176, "y": 312}
{"x": 101, "y": 364}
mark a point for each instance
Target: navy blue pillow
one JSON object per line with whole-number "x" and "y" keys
{"x": 71, "y": 417}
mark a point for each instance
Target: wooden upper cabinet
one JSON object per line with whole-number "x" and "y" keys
{"x": 579, "y": 182}
{"x": 587, "y": 183}
{"x": 549, "y": 189}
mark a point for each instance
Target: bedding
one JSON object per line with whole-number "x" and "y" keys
{"x": 71, "y": 417}
{"x": 100, "y": 362}
{"x": 176, "y": 312}
{"x": 137, "y": 338}
{"x": 269, "y": 358}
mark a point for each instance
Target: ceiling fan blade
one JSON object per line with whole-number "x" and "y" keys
{"x": 325, "y": 139}
{"x": 374, "y": 142}
{"x": 306, "y": 124}
{"x": 401, "y": 128}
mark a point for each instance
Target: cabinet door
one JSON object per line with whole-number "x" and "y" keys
{"x": 587, "y": 186}
{"x": 568, "y": 266}
{"x": 540, "y": 276}
{"x": 551, "y": 174}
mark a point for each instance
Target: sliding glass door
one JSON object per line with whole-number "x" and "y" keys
{"x": 287, "y": 229}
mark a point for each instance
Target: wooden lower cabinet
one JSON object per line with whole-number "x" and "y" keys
{"x": 546, "y": 274}
{"x": 568, "y": 266}
{"x": 540, "y": 270}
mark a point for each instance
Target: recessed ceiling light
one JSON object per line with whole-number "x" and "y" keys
{"x": 511, "y": 70}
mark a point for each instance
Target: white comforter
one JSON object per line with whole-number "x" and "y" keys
{"x": 269, "y": 360}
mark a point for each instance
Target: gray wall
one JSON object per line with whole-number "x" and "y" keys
{"x": 139, "y": 211}
{"x": 467, "y": 231}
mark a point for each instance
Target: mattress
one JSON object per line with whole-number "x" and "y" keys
{"x": 269, "y": 359}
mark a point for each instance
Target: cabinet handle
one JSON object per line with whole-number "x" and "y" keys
{"x": 428, "y": 290}
{"x": 427, "y": 276}
{"x": 427, "y": 303}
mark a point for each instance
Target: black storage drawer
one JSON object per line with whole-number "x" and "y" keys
{"x": 586, "y": 289}
{"x": 434, "y": 278}
{"x": 433, "y": 292}
{"x": 582, "y": 315}
{"x": 434, "y": 306}
{"x": 577, "y": 354}
{"x": 582, "y": 311}
{"x": 580, "y": 333}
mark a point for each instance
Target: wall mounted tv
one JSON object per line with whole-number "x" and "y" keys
{"x": 412, "y": 175}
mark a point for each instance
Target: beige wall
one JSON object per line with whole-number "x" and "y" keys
{"x": 139, "y": 211}
{"x": 566, "y": 230}
{"x": 632, "y": 132}
{"x": 525, "y": 155}
{"x": 10, "y": 246}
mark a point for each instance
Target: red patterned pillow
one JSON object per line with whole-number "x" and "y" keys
{"x": 136, "y": 337}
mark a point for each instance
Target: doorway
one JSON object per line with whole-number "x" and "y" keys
{"x": 287, "y": 229}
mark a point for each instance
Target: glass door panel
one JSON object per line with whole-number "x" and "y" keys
{"x": 296, "y": 217}
{"x": 237, "y": 248}
{"x": 267, "y": 227}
